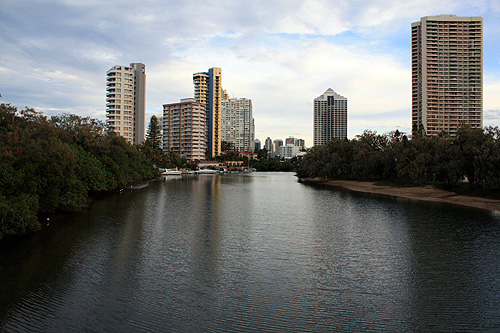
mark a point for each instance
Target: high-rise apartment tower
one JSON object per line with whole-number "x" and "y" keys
{"x": 184, "y": 127}
{"x": 447, "y": 73}
{"x": 277, "y": 144}
{"x": 330, "y": 117}
{"x": 237, "y": 123}
{"x": 256, "y": 145}
{"x": 208, "y": 91}
{"x": 268, "y": 145}
{"x": 126, "y": 101}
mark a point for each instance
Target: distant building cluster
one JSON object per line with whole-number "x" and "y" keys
{"x": 291, "y": 147}
{"x": 447, "y": 92}
{"x": 194, "y": 128}
{"x": 228, "y": 120}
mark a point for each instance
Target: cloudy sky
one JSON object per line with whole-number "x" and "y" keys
{"x": 280, "y": 53}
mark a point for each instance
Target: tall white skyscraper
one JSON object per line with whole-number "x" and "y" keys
{"x": 447, "y": 73}
{"x": 126, "y": 101}
{"x": 237, "y": 123}
{"x": 330, "y": 117}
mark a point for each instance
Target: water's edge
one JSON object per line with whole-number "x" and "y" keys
{"x": 421, "y": 193}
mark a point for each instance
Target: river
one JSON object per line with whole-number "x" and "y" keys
{"x": 255, "y": 252}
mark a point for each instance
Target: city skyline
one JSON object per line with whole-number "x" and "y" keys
{"x": 54, "y": 54}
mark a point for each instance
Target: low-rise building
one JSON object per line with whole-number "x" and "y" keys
{"x": 292, "y": 148}
{"x": 289, "y": 151}
{"x": 231, "y": 164}
{"x": 208, "y": 164}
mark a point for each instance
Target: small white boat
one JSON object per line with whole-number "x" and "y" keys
{"x": 170, "y": 172}
{"x": 205, "y": 172}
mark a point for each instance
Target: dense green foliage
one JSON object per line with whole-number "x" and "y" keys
{"x": 153, "y": 135}
{"x": 151, "y": 148}
{"x": 275, "y": 164}
{"x": 227, "y": 146}
{"x": 474, "y": 155}
{"x": 262, "y": 163}
{"x": 49, "y": 165}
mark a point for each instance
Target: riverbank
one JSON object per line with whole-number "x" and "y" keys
{"x": 47, "y": 218}
{"x": 422, "y": 193}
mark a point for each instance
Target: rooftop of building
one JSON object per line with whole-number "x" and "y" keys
{"x": 330, "y": 92}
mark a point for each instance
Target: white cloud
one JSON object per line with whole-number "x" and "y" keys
{"x": 281, "y": 54}
{"x": 491, "y": 107}
{"x": 491, "y": 93}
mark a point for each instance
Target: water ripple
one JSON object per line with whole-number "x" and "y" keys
{"x": 257, "y": 252}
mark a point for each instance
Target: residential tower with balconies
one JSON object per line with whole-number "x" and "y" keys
{"x": 126, "y": 101}
{"x": 447, "y": 73}
{"x": 184, "y": 126}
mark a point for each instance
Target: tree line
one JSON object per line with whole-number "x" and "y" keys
{"x": 152, "y": 149}
{"x": 472, "y": 156}
{"x": 274, "y": 164}
{"x": 263, "y": 162}
{"x": 51, "y": 164}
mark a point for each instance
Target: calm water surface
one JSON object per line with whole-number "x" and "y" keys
{"x": 255, "y": 252}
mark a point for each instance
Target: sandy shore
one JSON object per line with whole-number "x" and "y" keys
{"x": 423, "y": 193}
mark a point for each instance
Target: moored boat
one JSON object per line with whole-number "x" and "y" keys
{"x": 205, "y": 172}
{"x": 170, "y": 172}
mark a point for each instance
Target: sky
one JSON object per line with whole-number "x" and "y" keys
{"x": 281, "y": 54}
